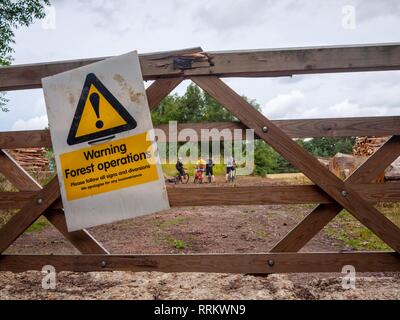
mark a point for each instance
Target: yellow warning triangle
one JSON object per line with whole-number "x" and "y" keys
{"x": 98, "y": 114}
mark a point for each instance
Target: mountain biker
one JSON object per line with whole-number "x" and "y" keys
{"x": 209, "y": 169}
{"x": 230, "y": 166}
{"x": 179, "y": 168}
{"x": 200, "y": 168}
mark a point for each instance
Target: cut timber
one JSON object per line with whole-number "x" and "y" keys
{"x": 220, "y": 263}
{"x": 343, "y": 165}
{"x": 246, "y": 195}
{"x": 366, "y": 146}
{"x": 302, "y": 128}
{"x": 31, "y": 159}
{"x": 241, "y": 63}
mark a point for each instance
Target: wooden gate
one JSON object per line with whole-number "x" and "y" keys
{"x": 356, "y": 194}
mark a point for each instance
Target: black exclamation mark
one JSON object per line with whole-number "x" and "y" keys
{"x": 95, "y": 101}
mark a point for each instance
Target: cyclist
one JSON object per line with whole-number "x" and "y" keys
{"x": 209, "y": 170}
{"x": 199, "y": 169}
{"x": 230, "y": 166}
{"x": 179, "y": 167}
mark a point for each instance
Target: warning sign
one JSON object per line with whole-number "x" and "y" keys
{"x": 88, "y": 123}
{"x": 109, "y": 166}
{"x": 106, "y": 158}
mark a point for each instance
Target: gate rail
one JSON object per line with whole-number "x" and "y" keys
{"x": 356, "y": 194}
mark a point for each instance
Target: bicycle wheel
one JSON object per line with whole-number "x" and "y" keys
{"x": 185, "y": 178}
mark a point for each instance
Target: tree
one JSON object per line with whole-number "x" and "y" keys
{"x": 13, "y": 14}
{"x": 265, "y": 159}
{"x": 214, "y": 112}
{"x": 329, "y": 146}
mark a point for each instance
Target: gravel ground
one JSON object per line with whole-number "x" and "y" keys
{"x": 152, "y": 285}
{"x": 220, "y": 229}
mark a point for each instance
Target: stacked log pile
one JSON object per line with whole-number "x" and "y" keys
{"x": 31, "y": 159}
{"x": 366, "y": 146}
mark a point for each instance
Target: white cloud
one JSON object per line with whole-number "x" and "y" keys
{"x": 40, "y": 107}
{"x": 284, "y": 104}
{"x": 84, "y": 28}
{"x": 30, "y": 124}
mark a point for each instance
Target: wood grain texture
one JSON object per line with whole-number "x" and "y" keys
{"x": 82, "y": 240}
{"x": 14, "y": 173}
{"x": 377, "y": 162}
{"x": 315, "y": 221}
{"x": 246, "y": 195}
{"x": 244, "y": 63}
{"x": 340, "y": 127}
{"x": 297, "y": 156}
{"x": 220, "y": 263}
{"x": 32, "y": 210}
{"x": 363, "y": 126}
{"x": 159, "y": 89}
{"x": 29, "y": 76}
{"x": 310, "y": 60}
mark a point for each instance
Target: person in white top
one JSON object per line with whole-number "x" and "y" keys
{"x": 230, "y": 166}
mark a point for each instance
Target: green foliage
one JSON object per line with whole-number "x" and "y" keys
{"x": 197, "y": 106}
{"x": 177, "y": 243}
{"x": 172, "y": 222}
{"x": 355, "y": 235}
{"x": 265, "y": 159}
{"x": 50, "y": 156}
{"x": 13, "y": 14}
{"x": 329, "y": 146}
{"x": 268, "y": 161}
{"x": 38, "y": 225}
{"x": 3, "y": 102}
{"x": 194, "y": 106}
{"x": 170, "y": 170}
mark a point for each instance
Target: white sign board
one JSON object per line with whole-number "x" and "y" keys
{"x": 101, "y": 130}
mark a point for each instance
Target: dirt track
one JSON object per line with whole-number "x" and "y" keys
{"x": 199, "y": 230}
{"x": 146, "y": 285}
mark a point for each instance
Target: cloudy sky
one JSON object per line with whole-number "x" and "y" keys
{"x": 93, "y": 28}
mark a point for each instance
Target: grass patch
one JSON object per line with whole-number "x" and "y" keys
{"x": 355, "y": 235}
{"x": 290, "y": 178}
{"x": 38, "y": 225}
{"x": 177, "y": 243}
{"x": 172, "y": 222}
{"x": 170, "y": 170}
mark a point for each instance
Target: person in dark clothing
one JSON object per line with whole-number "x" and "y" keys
{"x": 209, "y": 169}
{"x": 179, "y": 167}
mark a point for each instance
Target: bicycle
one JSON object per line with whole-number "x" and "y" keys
{"x": 182, "y": 179}
{"x": 198, "y": 177}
